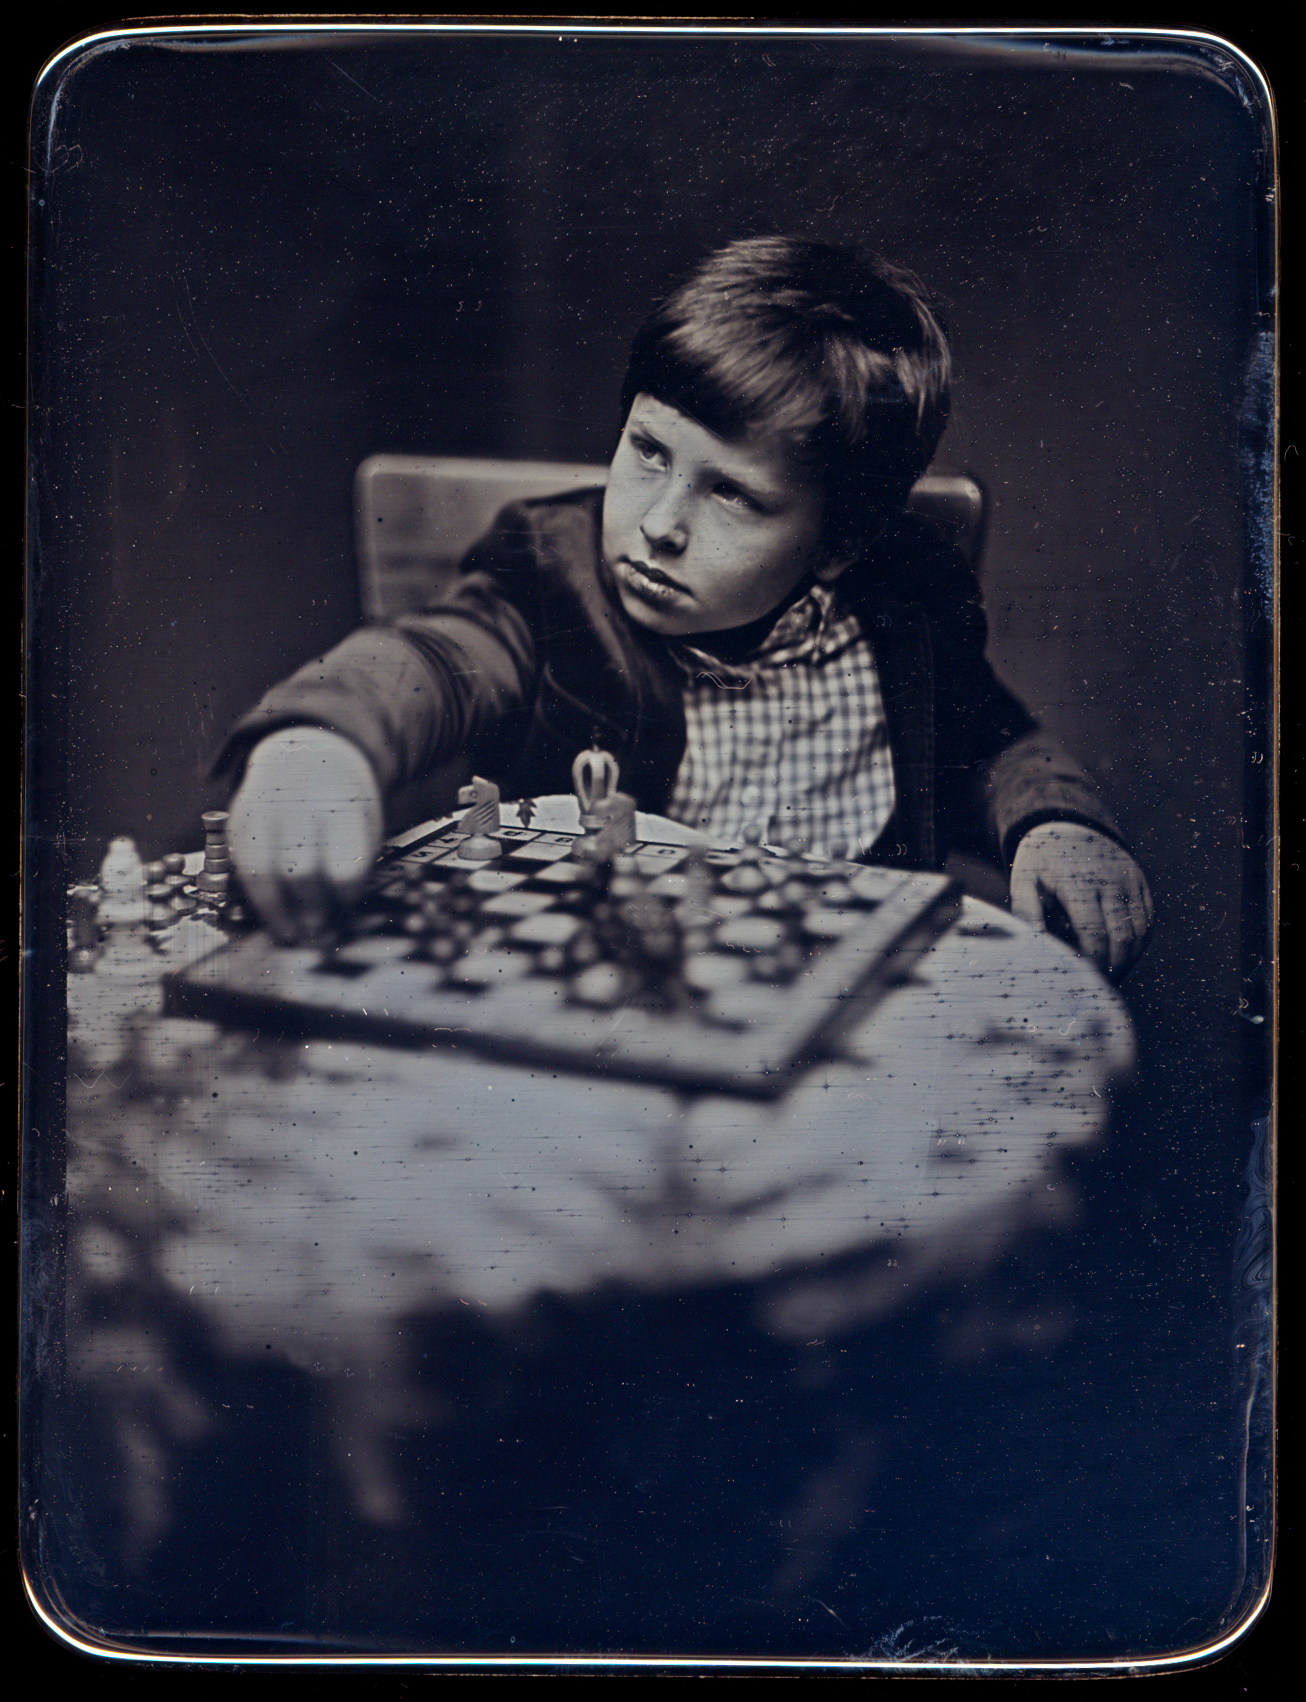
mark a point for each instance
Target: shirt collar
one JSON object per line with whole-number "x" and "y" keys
{"x": 795, "y": 637}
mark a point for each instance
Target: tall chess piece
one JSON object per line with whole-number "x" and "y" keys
{"x": 213, "y": 879}
{"x": 607, "y": 817}
{"x": 122, "y": 885}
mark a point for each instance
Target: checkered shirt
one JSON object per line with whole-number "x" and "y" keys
{"x": 791, "y": 740}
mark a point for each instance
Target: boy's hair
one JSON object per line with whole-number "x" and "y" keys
{"x": 834, "y": 348}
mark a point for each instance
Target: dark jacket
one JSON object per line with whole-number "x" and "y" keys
{"x": 531, "y": 658}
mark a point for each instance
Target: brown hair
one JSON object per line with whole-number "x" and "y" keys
{"x": 830, "y": 346}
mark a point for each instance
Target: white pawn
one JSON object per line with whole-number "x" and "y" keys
{"x": 747, "y": 876}
{"x": 122, "y": 882}
{"x": 104, "y": 1009}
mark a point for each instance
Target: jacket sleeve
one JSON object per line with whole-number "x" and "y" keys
{"x": 413, "y": 694}
{"x": 1034, "y": 780}
{"x": 1005, "y": 774}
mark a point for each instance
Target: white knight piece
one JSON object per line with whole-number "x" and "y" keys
{"x": 481, "y": 820}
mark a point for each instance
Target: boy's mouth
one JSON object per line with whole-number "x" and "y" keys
{"x": 650, "y": 582}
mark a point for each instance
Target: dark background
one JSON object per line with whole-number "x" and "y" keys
{"x": 258, "y": 263}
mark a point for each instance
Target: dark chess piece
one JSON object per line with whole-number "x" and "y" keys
{"x": 625, "y": 880}
{"x": 641, "y": 931}
{"x": 213, "y": 879}
{"x": 159, "y": 914}
{"x": 655, "y": 947}
{"x": 695, "y": 918}
{"x": 445, "y": 918}
{"x": 582, "y": 949}
{"x": 183, "y": 895}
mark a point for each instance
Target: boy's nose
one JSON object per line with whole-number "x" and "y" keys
{"x": 665, "y": 525}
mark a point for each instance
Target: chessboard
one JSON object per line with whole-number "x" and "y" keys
{"x": 726, "y": 969}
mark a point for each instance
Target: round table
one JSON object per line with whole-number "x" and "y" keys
{"x": 305, "y": 1198}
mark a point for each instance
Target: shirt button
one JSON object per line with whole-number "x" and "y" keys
{"x": 751, "y": 795}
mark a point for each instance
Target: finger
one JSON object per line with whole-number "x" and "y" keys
{"x": 269, "y": 898}
{"x": 1026, "y": 897}
{"x": 1087, "y": 924}
{"x": 283, "y": 881}
{"x": 1127, "y": 883}
{"x": 1125, "y": 929}
{"x": 1145, "y": 898}
{"x": 311, "y": 900}
{"x": 353, "y": 838}
{"x": 1142, "y": 913}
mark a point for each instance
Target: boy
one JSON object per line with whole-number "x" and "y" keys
{"x": 746, "y": 617}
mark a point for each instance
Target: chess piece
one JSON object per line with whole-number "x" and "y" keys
{"x": 122, "y": 884}
{"x": 603, "y": 985}
{"x": 182, "y": 897}
{"x": 607, "y": 816}
{"x": 447, "y": 923}
{"x": 159, "y": 914}
{"x": 481, "y": 820}
{"x": 128, "y": 965}
{"x": 212, "y": 881}
{"x": 583, "y": 948}
{"x": 694, "y": 914}
{"x": 84, "y": 946}
{"x": 654, "y": 947}
{"x": 836, "y": 890}
{"x": 748, "y": 876}
{"x": 626, "y": 880}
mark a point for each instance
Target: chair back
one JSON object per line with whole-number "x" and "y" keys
{"x": 416, "y": 516}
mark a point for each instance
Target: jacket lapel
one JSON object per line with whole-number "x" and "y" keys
{"x": 602, "y": 678}
{"x": 900, "y": 637}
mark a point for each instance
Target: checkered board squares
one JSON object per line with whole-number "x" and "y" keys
{"x": 511, "y": 959}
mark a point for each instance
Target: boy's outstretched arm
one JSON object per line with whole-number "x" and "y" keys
{"x": 306, "y": 825}
{"x": 1098, "y": 888}
{"x": 315, "y": 758}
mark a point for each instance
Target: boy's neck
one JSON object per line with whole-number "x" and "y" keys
{"x": 736, "y": 642}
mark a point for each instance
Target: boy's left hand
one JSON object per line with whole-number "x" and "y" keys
{"x": 1097, "y": 885}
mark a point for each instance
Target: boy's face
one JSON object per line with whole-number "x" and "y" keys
{"x": 704, "y": 534}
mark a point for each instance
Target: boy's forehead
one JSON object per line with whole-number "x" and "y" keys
{"x": 762, "y": 453}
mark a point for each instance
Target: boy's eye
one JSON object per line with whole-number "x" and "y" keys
{"x": 648, "y": 449}
{"x": 736, "y": 497}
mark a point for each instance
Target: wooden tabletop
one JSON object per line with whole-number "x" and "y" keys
{"x": 307, "y": 1194}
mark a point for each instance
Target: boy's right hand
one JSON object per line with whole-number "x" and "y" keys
{"x": 305, "y": 829}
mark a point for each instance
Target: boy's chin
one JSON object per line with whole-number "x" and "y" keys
{"x": 671, "y": 623}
